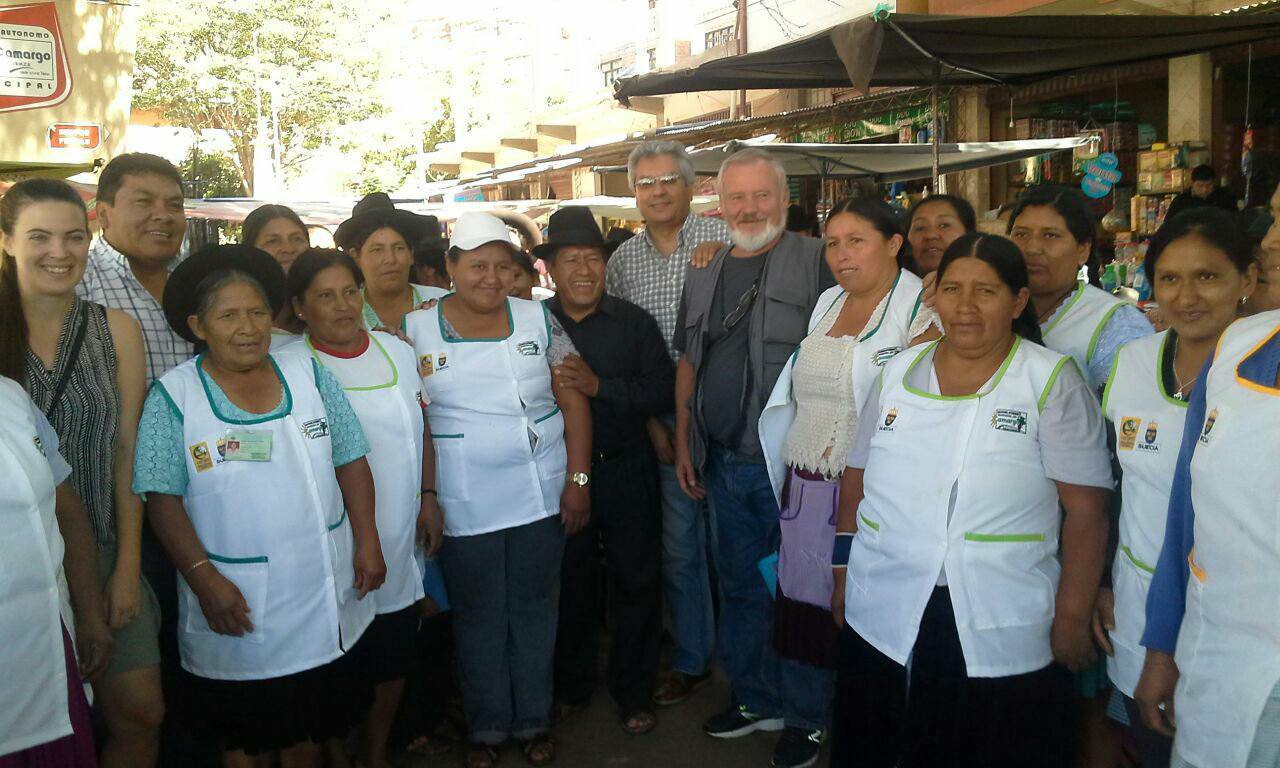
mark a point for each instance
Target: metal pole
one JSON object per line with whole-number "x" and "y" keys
{"x": 934, "y": 123}
{"x": 742, "y": 49}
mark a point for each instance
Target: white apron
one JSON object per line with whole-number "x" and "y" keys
{"x": 34, "y": 601}
{"x": 1077, "y": 325}
{"x": 277, "y": 529}
{"x": 386, "y": 394}
{"x": 999, "y": 549}
{"x": 1228, "y": 651}
{"x": 498, "y": 433}
{"x": 282, "y": 340}
{"x": 874, "y": 349}
{"x": 1148, "y": 425}
{"x": 421, "y": 293}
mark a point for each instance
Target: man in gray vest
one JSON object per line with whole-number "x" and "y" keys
{"x": 740, "y": 319}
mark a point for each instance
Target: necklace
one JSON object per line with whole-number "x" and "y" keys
{"x": 1181, "y": 393}
{"x": 1053, "y": 307}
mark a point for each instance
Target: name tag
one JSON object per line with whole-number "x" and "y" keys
{"x": 248, "y": 445}
{"x": 1009, "y": 420}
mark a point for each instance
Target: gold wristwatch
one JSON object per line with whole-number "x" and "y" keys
{"x": 580, "y": 479}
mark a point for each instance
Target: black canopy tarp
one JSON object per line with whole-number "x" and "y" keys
{"x": 903, "y": 50}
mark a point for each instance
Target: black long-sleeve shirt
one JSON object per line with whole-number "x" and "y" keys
{"x": 623, "y": 346}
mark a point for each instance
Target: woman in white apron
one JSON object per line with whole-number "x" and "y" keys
{"x": 381, "y": 239}
{"x": 954, "y": 605}
{"x": 512, "y": 457}
{"x": 936, "y": 222}
{"x": 806, "y": 427}
{"x": 1212, "y": 623}
{"x": 379, "y": 374}
{"x": 1202, "y": 271}
{"x": 259, "y": 491}
{"x": 279, "y": 231}
{"x": 1266, "y": 296}
{"x": 84, "y": 367}
{"x": 1054, "y": 229}
{"x": 44, "y": 716}
{"x": 1055, "y": 232}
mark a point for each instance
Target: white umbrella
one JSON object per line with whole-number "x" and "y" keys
{"x": 880, "y": 162}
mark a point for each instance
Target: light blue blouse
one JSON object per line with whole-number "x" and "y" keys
{"x": 160, "y": 461}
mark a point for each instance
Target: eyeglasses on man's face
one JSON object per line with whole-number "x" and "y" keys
{"x": 667, "y": 180}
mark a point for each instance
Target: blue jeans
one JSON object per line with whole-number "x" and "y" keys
{"x": 747, "y": 532}
{"x": 504, "y": 590}
{"x": 685, "y": 579}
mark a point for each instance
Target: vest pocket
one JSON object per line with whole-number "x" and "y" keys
{"x": 1005, "y": 581}
{"x": 1130, "y": 583}
{"x": 865, "y": 554}
{"x": 249, "y": 574}
{"x": 452, "y": 480}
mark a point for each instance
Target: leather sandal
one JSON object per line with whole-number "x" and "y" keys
{"x": 480, "y": 756}
{"x": 539, "y": 750}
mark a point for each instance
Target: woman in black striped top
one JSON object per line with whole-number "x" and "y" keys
{"x": 83, "y": 366}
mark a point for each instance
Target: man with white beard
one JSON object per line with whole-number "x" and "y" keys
{"x": 740, "y": 319}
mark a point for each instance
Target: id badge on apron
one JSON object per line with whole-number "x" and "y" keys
{"x": 248, "y": 445}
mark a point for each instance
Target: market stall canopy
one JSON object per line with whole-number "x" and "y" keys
{"x": 885, "y": 49}
{"x": 330, "y": 213}
{"x": 625, "y": 207}
{"x": 17, "y": 170}
{"x": 87, "y": 192}
{"x": 881, "y": 162}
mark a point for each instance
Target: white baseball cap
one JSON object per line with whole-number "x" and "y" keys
{"x": 475, "y": 229}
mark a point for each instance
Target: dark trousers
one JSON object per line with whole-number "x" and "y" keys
{"x": 626, "y": 518}
{"x": 503, "y": 588}
{"x": 180, "y": 744}
{"x": 1155, "y": 750}
{"x": 431, "y": 694}
{"x": 936, "y": 715}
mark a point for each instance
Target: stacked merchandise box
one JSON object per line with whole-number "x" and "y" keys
{"x": 1163, "y": 172}
{"x": 1147, "y": 213}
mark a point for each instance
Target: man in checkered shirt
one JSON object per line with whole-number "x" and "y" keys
{"x": 649, "y": 270}
{"x": 140, "y": 210}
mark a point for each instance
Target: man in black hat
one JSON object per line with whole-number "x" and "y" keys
{"x": 625, "y": 370}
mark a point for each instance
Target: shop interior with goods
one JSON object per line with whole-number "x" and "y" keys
{"x": 1130, "y": 120}
{"x": 812, "y": 196}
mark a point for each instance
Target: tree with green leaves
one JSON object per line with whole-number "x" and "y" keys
{"x": 211, "y": 174}
{"x": 301, "y": 66}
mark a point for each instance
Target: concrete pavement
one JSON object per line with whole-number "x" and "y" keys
{"x": 593, "y": 738}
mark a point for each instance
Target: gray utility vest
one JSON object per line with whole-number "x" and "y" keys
{"x": 779, "y": 321}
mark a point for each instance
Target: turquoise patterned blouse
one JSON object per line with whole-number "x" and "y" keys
{"x": 160, "y": 465}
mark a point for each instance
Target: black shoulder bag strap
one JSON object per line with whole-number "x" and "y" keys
{"x": 77, "y": 343}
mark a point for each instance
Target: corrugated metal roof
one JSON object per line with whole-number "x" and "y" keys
{"x": 1259, "y": 8}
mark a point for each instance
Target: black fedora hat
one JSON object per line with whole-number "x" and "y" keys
{"x": 375, "y": 211}
{"x": 180, "y": 299}
{"x": 572, "y": 225}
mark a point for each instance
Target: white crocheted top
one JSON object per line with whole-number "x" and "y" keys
{"x": 822, "y": 385}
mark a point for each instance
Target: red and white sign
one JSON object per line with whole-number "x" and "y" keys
{"x": 75, "y": 135}
{"x": 33, "y": 61}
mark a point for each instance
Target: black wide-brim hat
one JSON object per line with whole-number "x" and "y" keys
{"x": 573, "y": 225}
{"x": 180, "y": 298}
{"x": 375, "y": 211}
